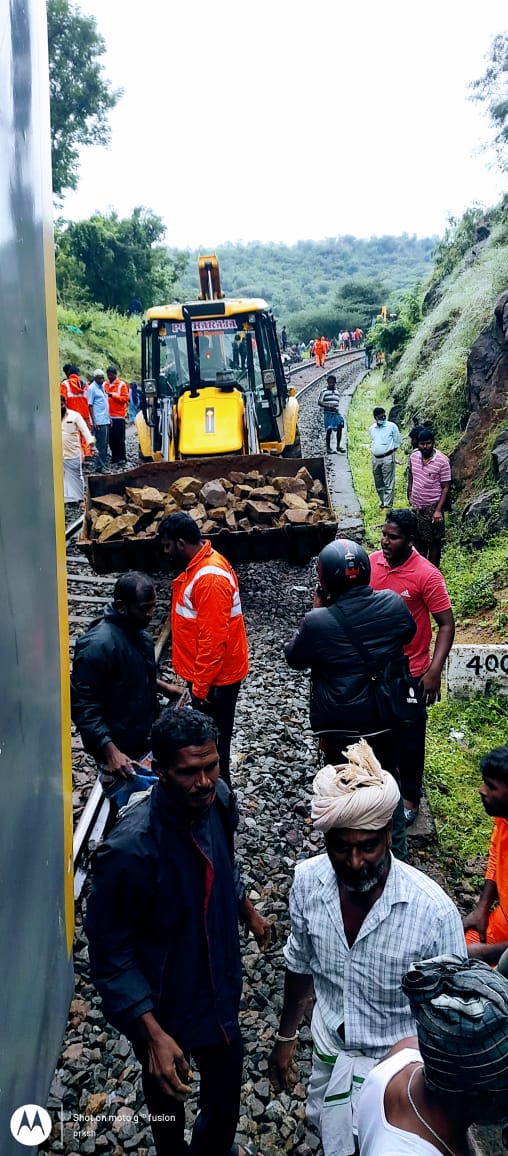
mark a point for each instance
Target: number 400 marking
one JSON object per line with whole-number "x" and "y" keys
{"x": 492, "y": 663}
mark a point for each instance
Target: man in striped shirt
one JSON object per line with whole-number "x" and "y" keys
{"x": 429, "y": 477}
{"x": 330, "y": 402}
{"x": 359, "y": 918}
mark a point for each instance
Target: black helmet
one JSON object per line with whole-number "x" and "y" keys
{"x": 342, "y": 565}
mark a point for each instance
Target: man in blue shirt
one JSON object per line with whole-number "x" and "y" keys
{"x": 384, "y": 440}
{"x": 99, "y": 416}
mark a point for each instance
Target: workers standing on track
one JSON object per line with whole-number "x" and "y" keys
{"x": 100, "y": 419}
{"x": 118, "y": 400}
{"x": 74, "y": 390}
{"x": 75, "y": 432}
{"x": 330, "y": 402}
{"x": 320, "y": 351}
{"x": 162, "y": 925}
{"x": 208, "y": 632}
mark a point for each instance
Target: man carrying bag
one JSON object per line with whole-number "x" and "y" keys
{"x": 344, "y": 704}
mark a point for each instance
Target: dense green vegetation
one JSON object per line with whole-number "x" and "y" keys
{"x": 308, "y": 275}
{"x": 94, "y": 338}
{"x": 110, "y": 261}
{"x": 430, "y": 376}
{"x": 477, "y": 581}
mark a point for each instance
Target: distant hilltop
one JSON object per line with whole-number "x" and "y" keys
{"x": 308, "y": 274}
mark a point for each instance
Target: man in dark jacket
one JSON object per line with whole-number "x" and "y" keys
{"x": 162, "y": 925}
{"x": 343, "y": 705}
{"x": 114, "y": 687}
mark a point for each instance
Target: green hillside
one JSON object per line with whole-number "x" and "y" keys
{"x": 294, "y": 277}
{"x": 94, "y": 338}
{"x": 430, "y": 377}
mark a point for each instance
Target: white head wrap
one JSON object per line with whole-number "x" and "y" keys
{"x": 357, "y": 794}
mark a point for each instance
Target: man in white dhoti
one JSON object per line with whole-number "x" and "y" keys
{"x": 359, "y": 918}
{"x": 74, "y": 428}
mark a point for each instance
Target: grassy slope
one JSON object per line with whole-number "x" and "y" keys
{"x": 473, "y": 581}
{"x": 105, "y": 338}
{"x": 434, "y": 387}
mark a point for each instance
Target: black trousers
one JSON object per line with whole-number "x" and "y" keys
{"x": 221, "y": 707}
{"x": 220, "y": 1068}
{"x": 412, "y": 759}
{"x": 117, "y": 439}
{"x": 386, "y": 749}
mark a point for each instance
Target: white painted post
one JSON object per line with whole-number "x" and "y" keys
{"x": 477, "y": 670}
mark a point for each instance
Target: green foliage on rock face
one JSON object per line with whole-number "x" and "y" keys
{"x": 430, "y": 377}
{"x": 80, "y": 94}
{"x": 110, "y": 261}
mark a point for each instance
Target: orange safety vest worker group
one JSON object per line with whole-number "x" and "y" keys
{"x": 321, "y": 347}
{"x": 73, "y": 390}
{"x": 117, "y": 392}
{"x": 209, "y": 642}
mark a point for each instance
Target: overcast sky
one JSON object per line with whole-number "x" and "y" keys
{"x": 280, "y": 121}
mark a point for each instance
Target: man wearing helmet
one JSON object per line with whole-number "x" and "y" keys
{"x": 343, "y": 705}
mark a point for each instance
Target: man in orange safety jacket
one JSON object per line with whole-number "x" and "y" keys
{"x": 117, "y": 392}
{"x": 74, "y": 390}
{"x": 208, "y": 632}
{"x": 320, "y": 351}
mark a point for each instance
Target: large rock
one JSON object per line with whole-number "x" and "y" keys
{"x": 213, "y": 494}
{"x": 500, "y": 459}
{"x": 487, "y": 390}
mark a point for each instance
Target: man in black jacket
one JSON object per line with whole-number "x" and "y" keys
{"x": 114, "y": 687}
{"x": 343, "y": 704}
{"x": 162, "y": 925}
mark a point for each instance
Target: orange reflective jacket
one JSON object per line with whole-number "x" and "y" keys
{"x": 208, "y": 631}
{"x": 118, "y": 397}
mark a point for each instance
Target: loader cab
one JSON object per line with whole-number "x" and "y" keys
{"x": 224, "y": 346}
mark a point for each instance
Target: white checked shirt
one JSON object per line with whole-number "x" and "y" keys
{"x": 359, "y": 986}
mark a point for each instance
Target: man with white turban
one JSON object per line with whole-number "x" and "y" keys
{"x": 359, "y": 918}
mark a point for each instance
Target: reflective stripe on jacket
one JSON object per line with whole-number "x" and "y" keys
{"x": 118, "y": 397}
{"x": 208, "y": 631}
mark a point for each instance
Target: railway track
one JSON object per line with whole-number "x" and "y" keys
{"x": 88, "y": 593}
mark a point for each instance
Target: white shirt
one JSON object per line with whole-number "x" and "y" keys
{"x": 73, "y": 424}
{"x": 360, "y": 986}
{"x": 384, "y": 438}
{"x": 376, "y": 1136}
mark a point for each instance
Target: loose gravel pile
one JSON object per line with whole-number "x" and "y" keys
{"x": 96, "y": 1096}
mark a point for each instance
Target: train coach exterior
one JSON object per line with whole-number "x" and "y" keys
{"x": 36, "y": 914}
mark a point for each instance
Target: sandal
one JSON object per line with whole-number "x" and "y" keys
{"x": 410, "y": 816}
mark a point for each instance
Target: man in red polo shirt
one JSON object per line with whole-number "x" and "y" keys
{"x": 398, "y": 566}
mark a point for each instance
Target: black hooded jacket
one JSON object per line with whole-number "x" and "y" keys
{"x": 342, "y": 697}
{"x": 162, "y": 919}
{"x": 114, "y": 687}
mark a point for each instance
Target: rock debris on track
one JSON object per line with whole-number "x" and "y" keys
{"x": 275, "y": 759}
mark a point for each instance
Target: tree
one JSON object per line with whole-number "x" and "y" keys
{"x": 358, "y": 300}
{"x": 493, "y": 89}
{"x": 80, "y": 95}
{"x": 116, "y": 260}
